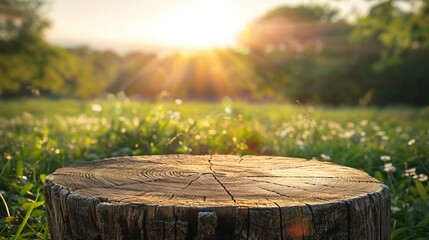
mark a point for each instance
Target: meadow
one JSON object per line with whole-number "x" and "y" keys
{"x": 39, "y": 136}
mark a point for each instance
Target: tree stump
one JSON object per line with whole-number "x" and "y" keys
{"x": 215, "y": 197}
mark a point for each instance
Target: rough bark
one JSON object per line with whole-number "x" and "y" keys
{"x": 215, "y": 197}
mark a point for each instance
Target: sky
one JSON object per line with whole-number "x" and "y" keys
{"x": 158, "y": 25}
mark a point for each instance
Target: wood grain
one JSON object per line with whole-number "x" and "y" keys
{"x": 215, "y": 197}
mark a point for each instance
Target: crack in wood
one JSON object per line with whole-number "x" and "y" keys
{"x": 269, "y": 190}
{"x": 172, "y": 196}
{"x": 189, "y": 184}
{"x": 349, "y": 180}
{"x": 312, "y": 215}
{"x": 226, "y": 190}
{"x": 281, "y": 217}
{"x": 335, "y": 187}
{"x": 211, "y": 166}
{"x": 241, "y": 158}
{"x": 296, "y": 198}
{"x": 279, "y": 184}
{"x": 348, "y": 219}
{"x": 213, "y": 174}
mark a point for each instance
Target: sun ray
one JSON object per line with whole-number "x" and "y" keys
{"x": 222, "y": 79}
{"x": 175, "y": 77}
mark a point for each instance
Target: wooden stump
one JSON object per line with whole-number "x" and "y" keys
{"x": 215, "y": 197}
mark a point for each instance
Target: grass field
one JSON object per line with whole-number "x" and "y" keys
{"x": 39, "y": 136}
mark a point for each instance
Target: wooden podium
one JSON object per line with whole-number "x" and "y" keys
{"x": 215, "y": 197}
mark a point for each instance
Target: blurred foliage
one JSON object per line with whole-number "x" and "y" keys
{"x": 23, "y": 26}
{"x": 398, "y": 25}
{"x": 24, "y": 55}
{"x": 312, "y": 58}
{"x": 303, "y": 53}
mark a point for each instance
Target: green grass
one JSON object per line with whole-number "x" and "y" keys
{"x": 39, "y": 136}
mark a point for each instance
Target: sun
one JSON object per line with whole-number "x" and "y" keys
{"x": 199, "y": 25}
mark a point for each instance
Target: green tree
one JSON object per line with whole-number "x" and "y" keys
{"x": 25, "y": 57}
{"x": 97, "y": 72}
{"x": 303, "y": 53}
{"x": 22, "y": 24}
{"x": 398, "y": 25}
{"x": 398, "y": 32}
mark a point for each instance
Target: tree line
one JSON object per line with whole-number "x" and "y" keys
{"x": 300, "y": 53}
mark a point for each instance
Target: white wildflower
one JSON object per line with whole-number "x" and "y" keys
{"x": 363, "y": 122}
{"x": 96, "y": 107}
{"x": 8, "y": 156}
{"x": 175, "y": 116}
{"x": 385, "y": 158}
{"x": 410, "y": 172}
{"x": 389, "y": 168}
{"x": 395, "y": 209}
{"x": 423, "y": 177}
{"x": 381, "y": 133}
{"x": 325, "y": 157}
{"x": 411, "y": 142}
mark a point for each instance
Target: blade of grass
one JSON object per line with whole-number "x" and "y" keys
{"x": 421, "y": 190}
{"x": 45, "y": 231}
{"x": 5, "y": 205}
{"x": 35, "y": 204}
{"x": 308, "y": 117}
{"x": 5, "y": 167}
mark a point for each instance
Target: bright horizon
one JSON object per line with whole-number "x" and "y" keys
{"x": 159, "y": 25}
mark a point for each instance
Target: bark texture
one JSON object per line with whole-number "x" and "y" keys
{"x": 215, "y": 197}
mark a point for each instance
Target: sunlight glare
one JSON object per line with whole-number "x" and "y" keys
{"x": 200, "y": 24}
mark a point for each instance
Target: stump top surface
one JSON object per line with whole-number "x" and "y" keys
{"x": 215, "y": 180}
